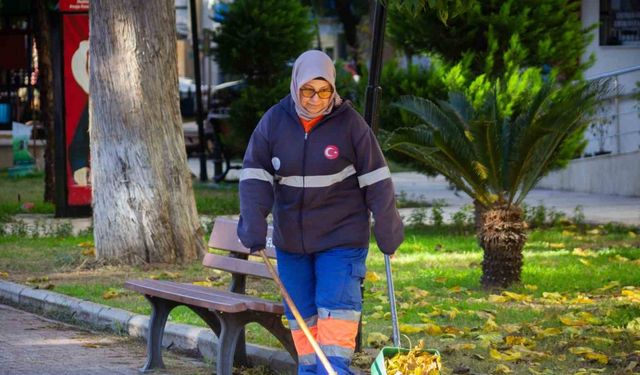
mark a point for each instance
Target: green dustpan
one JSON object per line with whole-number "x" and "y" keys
{"x": 378, "y": 367}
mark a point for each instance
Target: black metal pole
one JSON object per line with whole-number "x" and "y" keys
{"x": 196, "y": 65}
{"x": 372, "y": 100}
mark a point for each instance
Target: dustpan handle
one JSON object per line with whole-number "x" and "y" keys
{"x": 392, "y": 302}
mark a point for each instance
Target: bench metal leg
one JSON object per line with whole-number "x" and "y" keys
{"x": 159, "y": 315}
{"x": 231, "y": 326}
{"x": 213, "y": 322}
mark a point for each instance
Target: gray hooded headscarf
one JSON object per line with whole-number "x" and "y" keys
{"x": 308, "y": 66}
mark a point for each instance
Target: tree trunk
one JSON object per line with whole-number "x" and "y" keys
{"x": 143, "y": 203}
{"x": 43, "y": 43}
{"x": 502, "y": 238}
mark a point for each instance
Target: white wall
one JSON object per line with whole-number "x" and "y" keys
{"x": 608, "y": 174}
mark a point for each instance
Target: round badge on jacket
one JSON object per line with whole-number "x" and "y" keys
{"x": 331, "y": 152}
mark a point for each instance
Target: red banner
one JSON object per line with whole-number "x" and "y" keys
{"x": 74, "y": 5}
{"x": 75, "y": 60}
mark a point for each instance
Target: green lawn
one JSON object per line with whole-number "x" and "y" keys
{"x": 16, "y": 191}
{"x": 577, "y": 310}
{"x": 589, "y": 281}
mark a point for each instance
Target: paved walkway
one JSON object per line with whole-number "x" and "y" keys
{"x": 597, "y": 208}
{"x": 30, "y": 344}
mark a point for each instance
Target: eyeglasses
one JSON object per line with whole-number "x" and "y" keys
{"x": 322, "y": 94}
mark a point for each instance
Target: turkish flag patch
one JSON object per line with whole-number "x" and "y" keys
{"x": 331, "y": 152}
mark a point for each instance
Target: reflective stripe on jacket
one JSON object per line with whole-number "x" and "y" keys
{"x": 319, "y": 185}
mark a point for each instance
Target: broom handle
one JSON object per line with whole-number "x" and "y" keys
{"x": 296, "y": 314}
{"x": 392, "y": 302}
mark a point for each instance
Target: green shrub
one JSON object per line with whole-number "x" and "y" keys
{"x": 258, "y": 40}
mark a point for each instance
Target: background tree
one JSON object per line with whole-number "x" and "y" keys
{"x": 41, "y": 10}
{"x": 258, "y": 40}
{"x": 143, "y": 204}
{"x": 532, "y": 33}
{"x": 494, "y": 140}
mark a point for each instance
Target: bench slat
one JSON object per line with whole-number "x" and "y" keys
{"x": 201, "y": 296}
{"x": 224, "y": 237}
{"x": 235, "y": 265}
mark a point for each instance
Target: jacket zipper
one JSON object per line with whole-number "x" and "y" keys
{"x": 304, "y": 159}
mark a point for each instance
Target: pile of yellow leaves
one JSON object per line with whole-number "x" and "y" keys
{"x": 416, "y": 361}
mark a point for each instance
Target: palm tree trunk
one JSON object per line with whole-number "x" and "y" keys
{"x": 502, "y": 238}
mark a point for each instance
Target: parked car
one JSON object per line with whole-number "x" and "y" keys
{"x": 222, "y": 96}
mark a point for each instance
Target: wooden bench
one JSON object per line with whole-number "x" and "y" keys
{"x": 226, "y": 312}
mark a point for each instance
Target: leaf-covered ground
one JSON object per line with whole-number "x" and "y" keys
{"x": 577, "y": 310}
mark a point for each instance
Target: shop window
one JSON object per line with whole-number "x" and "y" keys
{"x": 620, "y": 22}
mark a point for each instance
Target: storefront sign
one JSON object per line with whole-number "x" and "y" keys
{"x": 75, "y": 62}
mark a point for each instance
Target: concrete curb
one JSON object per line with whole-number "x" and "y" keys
{"x": 180, "y": 336}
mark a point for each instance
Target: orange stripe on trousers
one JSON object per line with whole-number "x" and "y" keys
{"x": 337, "y": 332}
{"x": 303, "y": 346}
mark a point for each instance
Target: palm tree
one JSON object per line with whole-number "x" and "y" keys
{"x": 495, "y": 141}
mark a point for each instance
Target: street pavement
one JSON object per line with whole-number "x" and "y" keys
{"x": 33, "y": 345}
{"x": 597, "y": 208}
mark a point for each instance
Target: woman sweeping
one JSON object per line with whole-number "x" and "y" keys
{"x": 316, "y": 165}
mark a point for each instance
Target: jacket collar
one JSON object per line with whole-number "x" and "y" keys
{"x": 289, "y": 107}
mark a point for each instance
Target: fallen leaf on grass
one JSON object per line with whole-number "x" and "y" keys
{"x": 372, "y": 277}
{"x": 631, "y": 294}
{"x": 432, "y": 329}
{"x": 632, "y": 234}
{"x": 611, "y": 285}
{"x": 90, "y": 251}
{"x": 165, "y": 275}
{"x": 377, "y": 339}
{"x": 411, "y": 328}
{"x": 589, "y": 354}
{"x": 517, "y": 297}
{"x": 440, "y": 280}
{"x": 580, "y": 319}
{"x": 490, "y": 326}
{"x": 112, "y": 293}
{"x": 581, "y": 299}
{"x": 529, "y": 354}
{"x": 457, "y": 289}
{"x": 501, "y": 369}
{"x": 485, "y": 314}
{"x": 634, "y": 326}
{"x": 203, "y": 283}
{"x": 507, "y": 355}
{"x": 531, "y": 287}
{"x": 601, "y": 358}
{"x": 578, "y": 251}
{"x": 416, "y": 292}
{"x": 542, "y": 333}
{"x": 40, "y": 279}
{"x": 585, "y": 262}
{"x": 497, "y": 299}
{"x": 488, "y": 339}
{"x": 511, "y": 328}
{"x": 4, "y": 275}
{"x": 553, "y": 297}
{"x": 519, "y": 340}
{"x": 620, "y": 258}
{"x": 86, "y": 244}
{"x": 463, "y": 346}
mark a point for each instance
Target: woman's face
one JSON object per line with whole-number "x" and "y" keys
{"x": 315, "y": 104}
